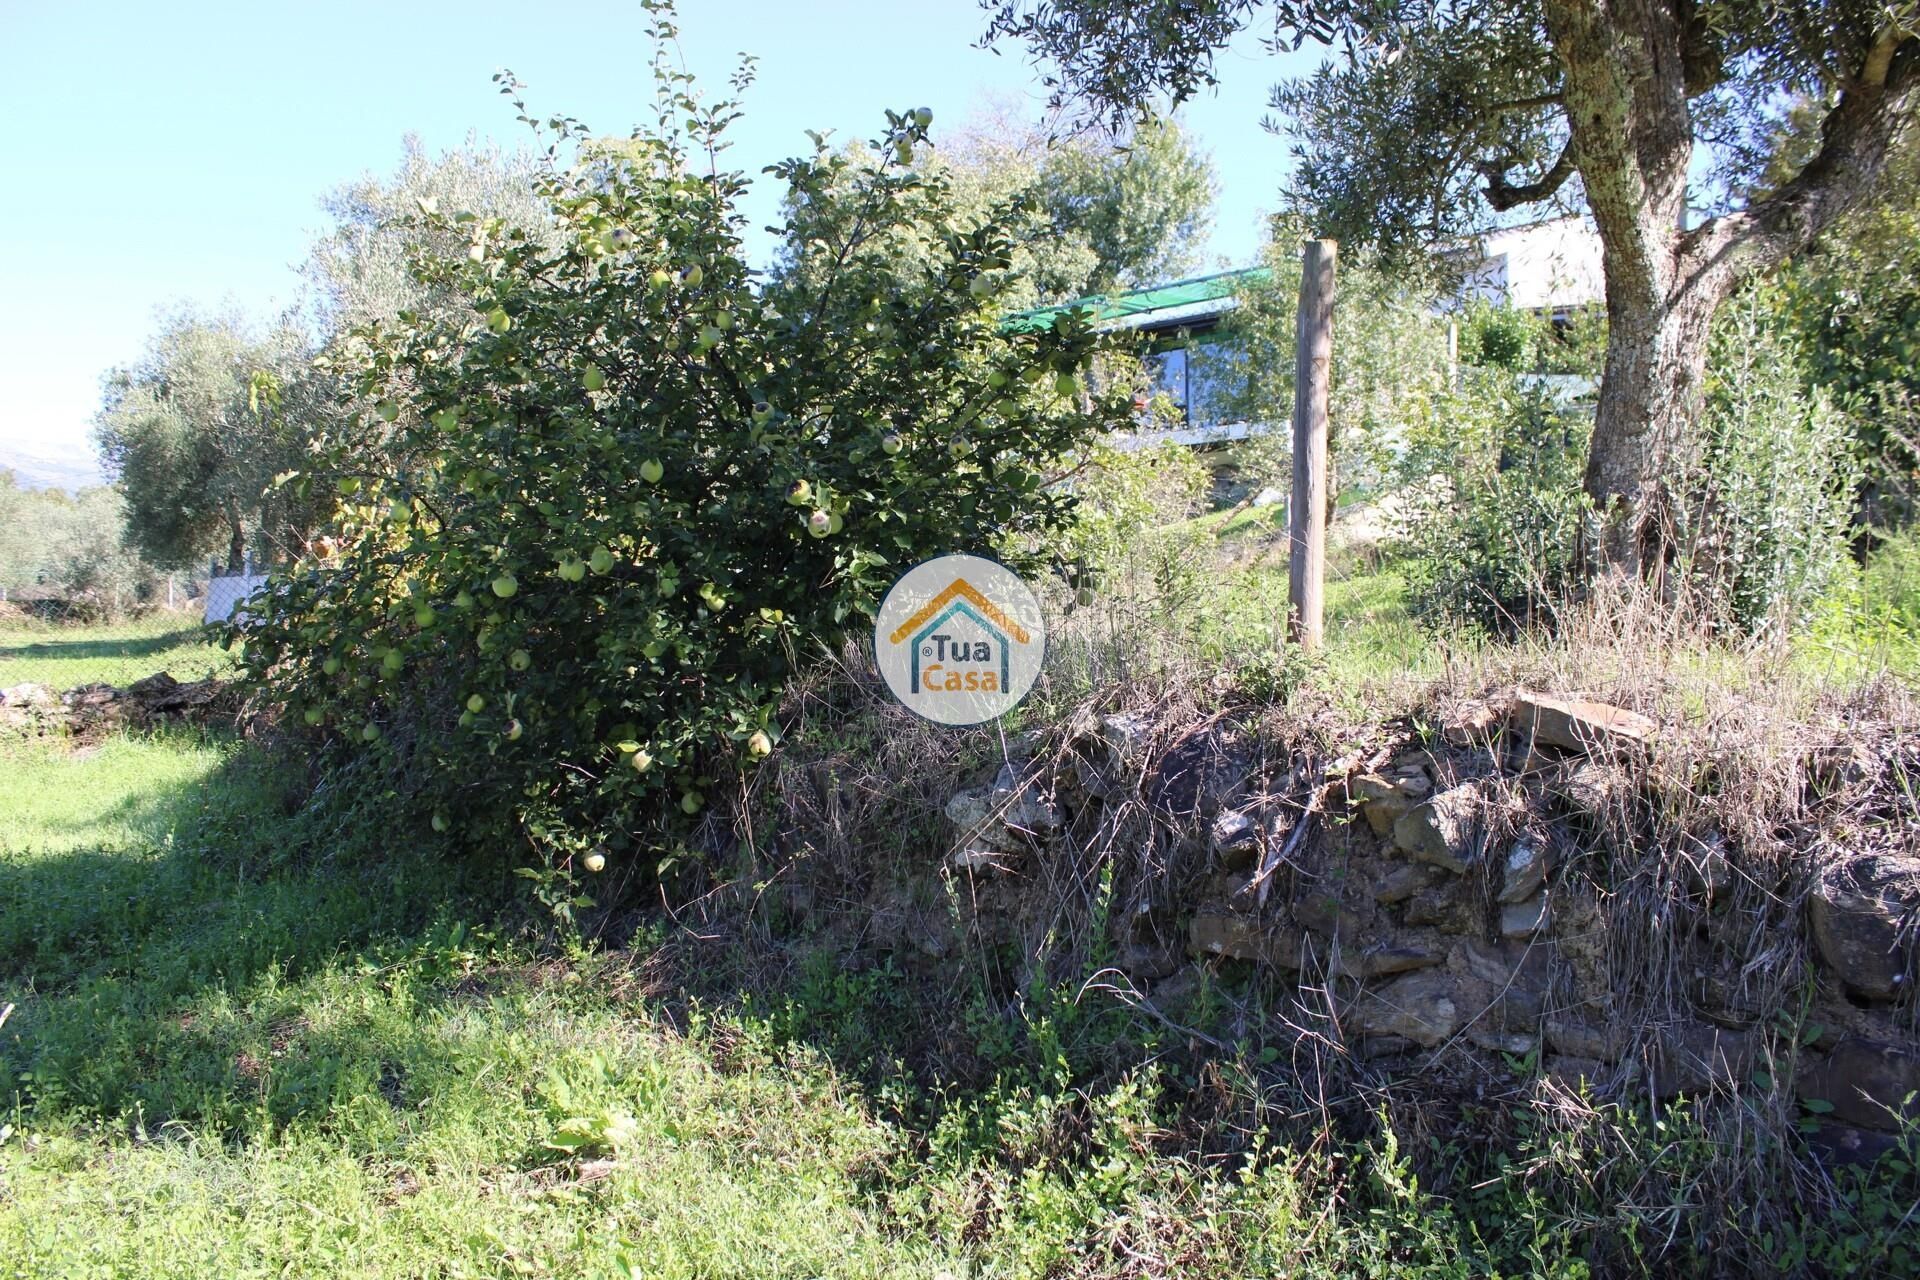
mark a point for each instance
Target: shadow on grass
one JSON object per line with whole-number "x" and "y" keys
{"x": 155, "y": 980}
{"x": 99, "y": 647}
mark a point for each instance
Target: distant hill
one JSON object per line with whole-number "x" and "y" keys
{"x": 64, "y": 469}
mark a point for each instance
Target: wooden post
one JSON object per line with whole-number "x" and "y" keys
{"x": 1313, "y": 367}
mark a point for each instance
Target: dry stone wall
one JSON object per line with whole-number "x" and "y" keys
{"x": 1515, "y": 884}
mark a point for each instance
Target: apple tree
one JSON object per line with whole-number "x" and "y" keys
{"x": 618, "y": 499}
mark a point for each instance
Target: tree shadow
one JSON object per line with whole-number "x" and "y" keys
{"x": 159, "y": 980}
{"x": 97, "y": 647}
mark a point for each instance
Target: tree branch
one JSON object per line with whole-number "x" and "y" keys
{"x": 1504, "y": 195}
{"x": 1856, "y": 137}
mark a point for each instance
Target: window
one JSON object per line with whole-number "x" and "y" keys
{"x": 1167, "y": 371}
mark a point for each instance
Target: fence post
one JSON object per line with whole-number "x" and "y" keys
{"x": 1313, "y": 365}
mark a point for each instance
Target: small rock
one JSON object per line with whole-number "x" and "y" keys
{"x": 973, "y": 814}
{"x": 1382, "y": 960}
{"x": 980, "y": 861}
{"x": 1589, "y": 788}
{"x": 1442, "y": 831}
{"x": 1525, "y": 873}
{"x": 1213, "y": 932}
{"x": 1577, "y": 724}
{"x": 1148, "y": 963}
{"x": 1383, "y": 800}
{"x": 1402, "y": 881}
{"x": 1708, "y": 871}
{"x": 1580, "y": 1040}
{"x": 1269, "y": 497}
{"x": 1572, "y": 1072}
{"x": 1867, "y": 1082}
{"x": 1858, "y": 909}
{"x": 1517, "y": 1043}
{"x": 1022, "y": 806}
{"x": 1449, "y": 907}
{"x": 1474, "y": 724}
{"x": 1419, "y": 1006}
{"x": 1694, "y": 1058}
{"x": 1512, "y": 979}
{"x": 1323, "y": 913}
{"x": 1524, "y": 919}
{"x": 1236, "y": 839}
{"x": 1842, "y": 1144}
{"x": 29, "y": 694}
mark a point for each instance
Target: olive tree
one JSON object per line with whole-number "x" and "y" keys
{"x": 1428, "y": 120}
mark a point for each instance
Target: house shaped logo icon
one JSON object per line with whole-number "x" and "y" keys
{"x": 959, "y": 639}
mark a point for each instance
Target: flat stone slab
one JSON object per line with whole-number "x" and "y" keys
{"x": 1578, "y": 724}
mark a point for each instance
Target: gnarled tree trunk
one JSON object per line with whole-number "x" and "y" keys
{"x": 1631, "y": 71}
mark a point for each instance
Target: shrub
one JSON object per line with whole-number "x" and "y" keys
{"x": 621, "y": 496}
{"x": 1770, "y": 490}
{"x": 1491, "y": 508}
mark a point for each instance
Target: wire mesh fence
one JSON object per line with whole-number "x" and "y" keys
{"x": 63, "y": 653}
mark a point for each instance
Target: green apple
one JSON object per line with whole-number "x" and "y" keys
{"x": 572, "y": 569}
{"x": 1066, "y": 384}
{"x": 505, "y": 585}
{"x": 423, "y": 614}
{"x": 498, "y": 320}
{"x": 592, "y": 379}
{"x": 349, "y": 485}
{"x": 890, "y": 443}
{"x": 463, "y": 599}
{"x": 596, "y": 861}
{"x": 980, "y": 286}
{"x": 387, "y": 410}
{"x": 903, "y": 151}
{"x": 313, "y": 715}
{"x": 692, "y": 276}
{"x": 476, "y": 703}
{"x": 513, "y": 730}
{"x": 519, "y": 659}
{"x": 659, "y": 280}
{"x": 393, "y": 662}
{"x": 723, "y": 320}
{"x": 370, "y": 732}
{"x": 799, "y": 493}
{"x": 466, "y": 719}
{"x": 651, "y": 471}
{"x": 820, "y": 524}
{"x": 709, "y": 335}
{"x": 331, "y": 666}
{"x": 835, "y": 523}
{"x": 601, "y": 560}
{"x": 759, "y": 744}
{"x": 997, "y": 379}
{"x": 762, "y": 411}
{"x": 690, "y": 802}
{"x": 447, "y": 419}
{"x": 642, "y": 761}
{"x": 440, "y": 822}
{"x": 923, "y": 116}
{"x": 1033, "y": 373}
{"x": 958, "y": 447}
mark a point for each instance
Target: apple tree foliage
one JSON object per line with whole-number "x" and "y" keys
{"x": 584, "y": 532}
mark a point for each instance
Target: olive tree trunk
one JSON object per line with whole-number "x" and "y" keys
{"x": 1631, "y": 71}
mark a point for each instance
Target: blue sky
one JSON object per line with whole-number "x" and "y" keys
{"x": 159, "y": 153}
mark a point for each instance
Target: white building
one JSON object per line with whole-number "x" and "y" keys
{"x": 1551, "y": 266}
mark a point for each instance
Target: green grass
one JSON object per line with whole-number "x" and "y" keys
{"x": 256, "y": 1037}
{"x": 66, "y": 655}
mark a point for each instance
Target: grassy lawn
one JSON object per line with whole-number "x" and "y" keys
{"x": 64, "y": 656}
{"x": 227, "y": 1056}
{"x": 220, "y": 1064}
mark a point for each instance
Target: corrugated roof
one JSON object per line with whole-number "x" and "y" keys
{"x": 1142, "y": 308}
